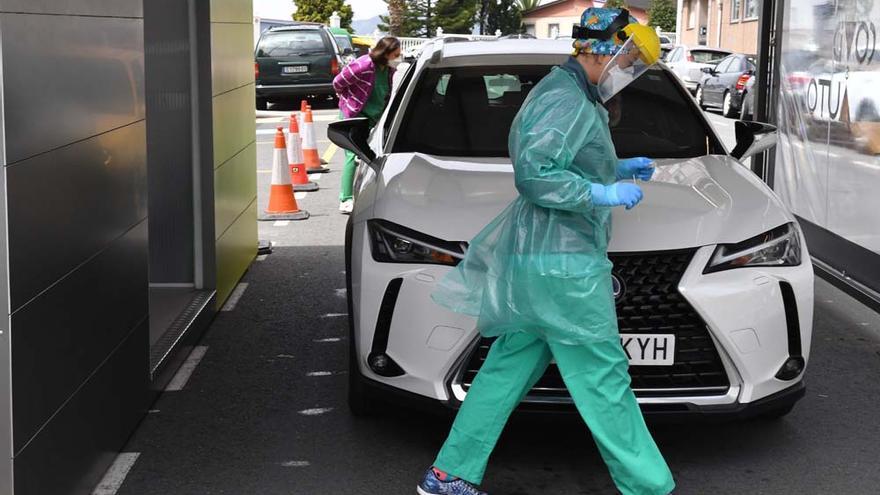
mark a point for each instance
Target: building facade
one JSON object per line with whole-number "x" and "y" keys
{"x": 555, "y": 19}
{"x": 128, "y": 212}
{"x": 729, "y": 24}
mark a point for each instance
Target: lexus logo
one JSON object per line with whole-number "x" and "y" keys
{"x": 618, "y": 287}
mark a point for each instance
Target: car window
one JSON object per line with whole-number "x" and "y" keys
{"x": 724, "y": 65}
{"x": 290, "y": 43}
{"x": 652, "y": 117}
{"x": 677, "y": 54}
{"x": 395, "y": 103}
{"x": 344, "y": 43}
{"x": 707, "y": 56}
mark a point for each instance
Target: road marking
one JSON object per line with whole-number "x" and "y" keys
{"x": 296, "y": 464}
{"x": 316, "y": 411}
{"x": 300, "y": 195}
{"x": 328, "y": 154}
{"x": 285, "y": 356}
{"x": 329, "y": 339}
{"x": 261, "y": 132}
{"x": 281, "y": 223}
{"x": 264, "y": 171}
{"x": 325, "y": 118}
{"x": 319, "y": 373}
{"x": 115, "y": 475}
{"x": 186, "y": 369}
{"x": 316, "y": 177}
{"x": 833, "y": 155}
{"x": 234, "y": 297}
{"x": 262, "y": 257}
{"x": 334, "y": 315}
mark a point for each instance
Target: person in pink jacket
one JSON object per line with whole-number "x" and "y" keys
{"x": 363, "y": 87}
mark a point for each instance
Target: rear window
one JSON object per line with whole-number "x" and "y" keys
{"x": 708, "y": 56}
{"x": 468, "y": 111}
{"x": 290, "y": 43}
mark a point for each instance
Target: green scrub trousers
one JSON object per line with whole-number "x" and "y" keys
{"x": 596, "y": 376}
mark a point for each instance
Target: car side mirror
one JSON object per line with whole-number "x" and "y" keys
{"x": 708, "y": 70}
{"x": 347, "y": 51}
{"x": 752, "y": 138}
{"x": 352, "y": 135}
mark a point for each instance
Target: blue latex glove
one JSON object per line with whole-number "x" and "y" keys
{"x": 617, "y": 194}
{"x": 640, "y": 168}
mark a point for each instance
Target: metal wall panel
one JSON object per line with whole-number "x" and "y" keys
{"x": 61, "y": 337}
{"x": 68, "y": 78}
{"x": 81, "y": 197}
{"x": 232, "y": 11}
{"x": 235, "y": 183}
{"x": 234, "y": 125}
{"x": 113, "y": 8}
{"x": 5, "y": 343}
{"x": 73, "y": 451}
{"x": 236, "y": 250}
{"x": 169, "y": 140}
{"x": 232, "y": 56}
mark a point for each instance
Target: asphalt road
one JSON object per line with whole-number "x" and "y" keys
{"x": 265, "y": 413}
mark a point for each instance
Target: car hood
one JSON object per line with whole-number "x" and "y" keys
{"x": 689, "y": 203}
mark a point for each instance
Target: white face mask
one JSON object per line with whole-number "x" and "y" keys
{"x": 394, "y": 62}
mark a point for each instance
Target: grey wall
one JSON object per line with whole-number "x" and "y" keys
{"x": 75, "y": 171}
{"x": 169, "y": 140}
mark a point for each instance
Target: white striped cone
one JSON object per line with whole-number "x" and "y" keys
{"x": 298, "y": 175}
{"x": 310, "y": 146}
{"x": 282, "y": 203}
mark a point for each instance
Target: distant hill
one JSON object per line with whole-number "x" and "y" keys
{"x": 365, "y": 26}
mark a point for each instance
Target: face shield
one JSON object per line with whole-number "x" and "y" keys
{"x": 633, "y": 59}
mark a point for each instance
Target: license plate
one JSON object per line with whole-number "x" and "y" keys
{"x": 644, "y": 349}
{"x": 294, "y": 69}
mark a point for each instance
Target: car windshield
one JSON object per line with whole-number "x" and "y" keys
{"x": 290, "y": 43}
{"x": 467, "y": 111}
{"x": 708, "y": 56}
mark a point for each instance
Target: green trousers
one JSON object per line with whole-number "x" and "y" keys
{"x": 345, "y": 189}
{"x": 596, "y": 376}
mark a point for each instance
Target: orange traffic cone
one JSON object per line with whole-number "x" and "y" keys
{"x": 303, "y": 106}
{"x": 282, "y": 203}
{"x": 310, "y": 146}
{"x": 298, "y": 175}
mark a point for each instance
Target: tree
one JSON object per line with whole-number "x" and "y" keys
{"x": 526, "y": 5}
{"x": 504, "y": 15}
{"x": 662, "y": 14}
{"x": 616, "y": 4}
{"x": 416, "y": 18}
{"x": 396, "y": 17}
{"x": 455, "y": 16}
{"x": 321, "y": 10}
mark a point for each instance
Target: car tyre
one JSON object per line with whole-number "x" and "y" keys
{"x": 727, "y": 107}
{"x": 359, "y": 402}
{"x": 699, "y": 97}
{"x": 262, "y": 104}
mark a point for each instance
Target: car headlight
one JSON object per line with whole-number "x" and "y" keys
{"x": 392, "y": 243}
{"x": 778, "y": 247}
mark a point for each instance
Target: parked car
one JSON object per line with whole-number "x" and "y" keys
{"x": 719, "y": 283}
{"x": 687, "y": 63}
{"x": 666, "y": 46}
{"x": 297, "y": 60}
{"x": 344, "y": 44}
{"x": 719, "y": 85}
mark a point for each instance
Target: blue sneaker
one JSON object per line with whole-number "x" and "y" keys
{"x": 431, "y": 485}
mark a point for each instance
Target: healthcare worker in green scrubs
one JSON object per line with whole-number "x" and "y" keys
{"x": 538, "y": 276}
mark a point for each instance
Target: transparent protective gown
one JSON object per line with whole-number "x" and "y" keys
{"x": 541, "y": 266}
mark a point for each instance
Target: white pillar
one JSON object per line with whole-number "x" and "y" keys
{"x": 439, "y": 31}
{"x": 497, "y": 33}
{"x": 335, "y": 20}
{"x": 679, "y": 19}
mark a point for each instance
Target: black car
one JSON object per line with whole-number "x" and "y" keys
{"x": 297, "y": 60}
{"x": 718, "y": 86}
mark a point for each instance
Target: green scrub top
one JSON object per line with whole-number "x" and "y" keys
{"x": 375, "y": 104}
{"x": 541, "y": 266}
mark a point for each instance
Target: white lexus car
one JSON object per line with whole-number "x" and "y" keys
{"x": 713, "y": 281}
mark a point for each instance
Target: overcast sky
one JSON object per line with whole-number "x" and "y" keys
{"x": 282, "y": 9}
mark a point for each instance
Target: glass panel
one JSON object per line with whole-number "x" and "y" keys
{"x": 751, "y": 10}
{"x": 289, "y": 43}
{"x": 828, "y": 157}
{"x": 708, "y": 56}
{"x": 735, "y": 9}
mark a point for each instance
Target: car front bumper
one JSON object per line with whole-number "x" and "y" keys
{"x": 284, "y": 90}
{"x": 743, "y": 312}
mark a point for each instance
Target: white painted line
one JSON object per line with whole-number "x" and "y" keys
{"x": 300, "y": 195}
{"x": 333, "y": 315}
{"x": 316, "y": 411}
{"x": 325, "y": 118}
{"x": 833, "y": 155}
{"x": 319, "y": 373}
{"x": 186, "y": 369}
{"x": 281, "y": 223}
{"x": 296, "y": 464}
{"x": 285, "y": 356}
{"x": 236, "y": 294}
{"x": 115, "y": 476}
{"x": 262, "y": 257}
{"x": 261, "y": 132}
{"x": 329, "y": 339}
{"x": 316, "y": 177}
{"x": 153, "y": 411}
